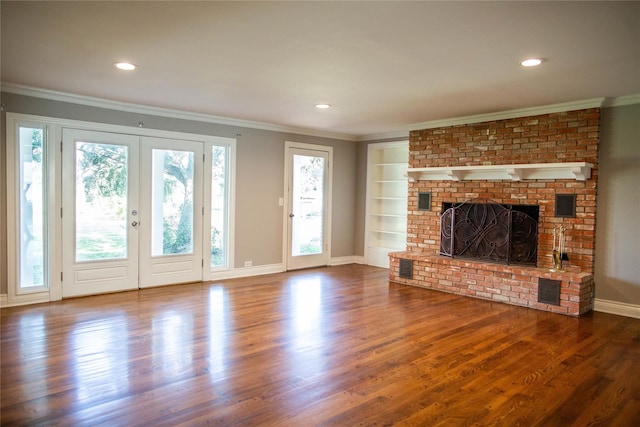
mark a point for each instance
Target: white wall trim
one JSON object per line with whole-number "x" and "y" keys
{"x": 359, "y": 260}
{"x": 343, "y": 260}
{"x": 622, "y": 100}
{"x": 510, "y": 114}
{"x": 258, "y": 270}
{"x": 25, "y": 299}
{"x": 164, "y": 112}
{"x": 401, "y": 134}
{"x": 208, "y": 118}
{"x": 615, "y": 307}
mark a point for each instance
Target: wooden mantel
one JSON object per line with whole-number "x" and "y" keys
{"x": 580, "y": 171}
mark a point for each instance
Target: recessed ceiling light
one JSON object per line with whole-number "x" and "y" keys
{"x": 323, "y": 106}
{"x": 126, "y": 66}
{"x": 531, "y": 62}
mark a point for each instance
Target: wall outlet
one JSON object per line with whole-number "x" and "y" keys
{"x": 248, "y": 263}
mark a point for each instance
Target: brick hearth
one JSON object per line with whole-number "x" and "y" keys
{"x": 549, "y": 138}
{"x": 501, "y": 283}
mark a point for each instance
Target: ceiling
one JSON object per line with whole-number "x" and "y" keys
{"x": 383, "y": 66}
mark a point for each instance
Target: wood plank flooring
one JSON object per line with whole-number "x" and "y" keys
{"x": 337, "y": 346}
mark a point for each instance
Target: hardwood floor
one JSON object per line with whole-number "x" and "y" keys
{"x": 330, "y": 346}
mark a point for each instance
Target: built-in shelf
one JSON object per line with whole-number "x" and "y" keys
{"x": 386, "y": 209}
{"x": 390, "y": 215}
{"x": 580, "y": 171}
{"x": 398, "y": 233}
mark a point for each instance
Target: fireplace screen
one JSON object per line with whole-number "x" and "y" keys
{"x": 488, "y": 231}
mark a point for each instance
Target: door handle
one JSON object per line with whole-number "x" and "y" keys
{"x": 291, "y": 215}
{"x": 135, "y": 223}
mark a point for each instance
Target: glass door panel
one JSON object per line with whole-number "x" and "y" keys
{"x": 307, "y": 206}
{"x": 100, "y": 196}
{"x": 101, "y": 201}
{"x": 171, "y": 202}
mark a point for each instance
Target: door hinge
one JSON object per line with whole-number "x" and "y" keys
{"x": 203, "y": 262}
{"x": 203, "y": 210}
{"x": 60, "y": 212}
{"x": 61, "y": 274}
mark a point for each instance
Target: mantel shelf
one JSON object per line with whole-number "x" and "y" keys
{"x": 580, "y": 171}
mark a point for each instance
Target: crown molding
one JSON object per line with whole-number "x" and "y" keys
{"x": 164, "y": 112}
{"x": 622, "y": 100}
{"x": 401, "y": 134}
{"x": 510, "y": 114}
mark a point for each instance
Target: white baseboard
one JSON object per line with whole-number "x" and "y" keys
{"x": 258, "y": 270}
{"x": 343, "y": 260}
{"x": 619, "y": 308}
{"x": 26, "y": 299}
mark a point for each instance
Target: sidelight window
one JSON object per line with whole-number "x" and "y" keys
{"x": 31, "y": 207}
{"x": 219, "y": 206}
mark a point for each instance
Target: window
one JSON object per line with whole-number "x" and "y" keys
{"x": 31, "y": 208}
{"x": 220, "y": 206}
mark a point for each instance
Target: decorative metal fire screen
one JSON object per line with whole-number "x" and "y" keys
{"x": 488, "y": 231}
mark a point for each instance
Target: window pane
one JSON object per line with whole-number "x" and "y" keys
{"x": 219, "y": 207}
{"x": 101, "y": 201}
{"x": 172, "y": 202}
{"x": 32, "y": 214}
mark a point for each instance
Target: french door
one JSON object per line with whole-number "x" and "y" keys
{"x": 131, "y": 211}
{"x": 308, "y": 201}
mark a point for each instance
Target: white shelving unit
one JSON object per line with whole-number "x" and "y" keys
{"x": 386, "y": 209}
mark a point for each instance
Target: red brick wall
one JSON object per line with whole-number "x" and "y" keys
{"x": 549, "y": 138}
{"x": 500, "y": 283}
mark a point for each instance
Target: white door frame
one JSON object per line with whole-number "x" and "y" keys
{"x": 289, "y": 147}
{"x": 54, "y": 128}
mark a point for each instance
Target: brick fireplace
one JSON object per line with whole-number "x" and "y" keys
{"x": 569, "y": 137}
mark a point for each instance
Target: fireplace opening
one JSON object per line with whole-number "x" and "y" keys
{"x": 484, "y": 230}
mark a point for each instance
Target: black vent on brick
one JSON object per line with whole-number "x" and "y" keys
{"x": 424, "y": 201}
{"x": 549, "y": 291}
{"x": 406, "y": 268}
{"x": 565, "y": 206}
